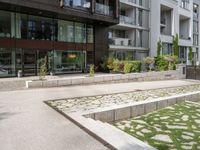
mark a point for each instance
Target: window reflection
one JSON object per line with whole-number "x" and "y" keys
{"x": 5, "y": 24}
{"x": 7, "y": 62}
{"x": 69, "y": 61}
{"x": 24, "y": 26}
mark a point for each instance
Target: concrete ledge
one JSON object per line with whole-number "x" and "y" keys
{"x": 112, "y": 78}
{"x": 108, "y": 135}
{"x": 117, "y": 113}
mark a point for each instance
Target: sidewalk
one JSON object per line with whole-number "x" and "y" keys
{"x": 26, "y": 123}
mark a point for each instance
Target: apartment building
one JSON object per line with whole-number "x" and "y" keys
{"x": 70, "y": 34}
{"x": 171, "y": 17}
{"x": 196, "y": 27}
{"x": 130, "y": 38}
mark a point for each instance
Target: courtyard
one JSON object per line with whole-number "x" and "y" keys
{"x": 26, "y": 122}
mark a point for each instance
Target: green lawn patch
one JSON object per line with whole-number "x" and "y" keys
{"x": 176, "y": 127}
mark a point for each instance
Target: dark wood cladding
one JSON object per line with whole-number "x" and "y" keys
{"x": 39, "y": 44}
{"x": 7, "y": 43}
{"x": 52, "y": 8}
{"x": 34, "y": 44}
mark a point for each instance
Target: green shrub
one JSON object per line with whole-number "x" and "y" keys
{"x": 136, "y": 65}
{"x": 161, "y": 63}
{"x": 110, "y": 63}
{"x": 43, "y": 68}
{"x": 91, "y": 70}
{"x": 127, "y": 67}
{"x": 190, "y": 55}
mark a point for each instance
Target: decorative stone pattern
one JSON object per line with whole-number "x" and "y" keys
{"x": 83, "y": 104}
{"x": 176, "y": 127}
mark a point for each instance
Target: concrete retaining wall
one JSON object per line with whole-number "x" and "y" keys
{"x": 147, "y": 76}
{"x": 117, "y": 113}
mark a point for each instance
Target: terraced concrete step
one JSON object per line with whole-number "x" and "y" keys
{"x": 110, "y": 135}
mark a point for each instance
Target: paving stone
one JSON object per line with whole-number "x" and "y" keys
{"x": 162, "y": 137}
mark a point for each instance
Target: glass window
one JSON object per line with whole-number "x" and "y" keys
{"x": 167, "y": 48}
{"x": 183, "y": 54}
{"x": 7, "y": 24}
{"x": 140, "y": 2}
{"x": 40, "y": 28}
{"x": 69, "y": 61}
{"x": 7, "y": 62}
{"x": 195, "y": 27}
{"x": 80, "y": 33}
{"x": 90, "y": 34}
{"x": 140, "y": 17}
{"x": 65, "y": 31}
{"x": 195, "y": 39}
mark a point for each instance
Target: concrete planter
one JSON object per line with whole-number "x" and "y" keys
{"x": 145, "y": 76}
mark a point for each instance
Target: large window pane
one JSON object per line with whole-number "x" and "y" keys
{"x": 69, "y": 61}
{"x": 65, "y": 31}
{"x": 90, "y": 34}
{"x": 7, "y": 24}
{"x": 7, "y": 62}
{"x": 40, "y": 28}
{"x": 80, "y": 33}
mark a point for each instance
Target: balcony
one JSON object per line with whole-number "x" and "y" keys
{"x": 122, "y": 42}
{"x": 127, "y": 20}
{"x": 184, "y": 37}
{"x": 80, "y": 4}
{"x": 185, "y": 4}
{"x": 104, "y": 9}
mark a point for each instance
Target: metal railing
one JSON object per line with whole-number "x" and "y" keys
{"x": 122, "y": 42}
{"x": 129, "y": 1}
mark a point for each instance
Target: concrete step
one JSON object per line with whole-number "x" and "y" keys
{"x": 111, "y": 135}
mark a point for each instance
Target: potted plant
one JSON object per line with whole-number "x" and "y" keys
{"x": 19, "y": 73}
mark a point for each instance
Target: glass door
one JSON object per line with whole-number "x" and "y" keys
{"x": 29, "y": 63}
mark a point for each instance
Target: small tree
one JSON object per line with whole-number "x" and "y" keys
{"x": 159, "y": 47}
{"x": 175, "y": 45}
{"x": 91, "y": 70}
{"x": 43, "y": 68}
{"x": 190, "y": 55}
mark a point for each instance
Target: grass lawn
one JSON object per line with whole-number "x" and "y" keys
{"x": 176, "y": 127}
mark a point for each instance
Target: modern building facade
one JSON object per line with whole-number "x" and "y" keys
{"x": 71, "y": 34}
{"x": 68, "y": 34}
{"x": 171, "y": 17}
{"x": 130, "y": 38}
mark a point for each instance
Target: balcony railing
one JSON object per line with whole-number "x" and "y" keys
{"x": 121, "y": 42}
{"x": 129, "y": 1}
{"x": 127, "y": 20}
{"x": 184, "y": 37}
{"x": 82, "y": 4}
{"x": 185, "y": 4}
{"x": 104, "y": 9}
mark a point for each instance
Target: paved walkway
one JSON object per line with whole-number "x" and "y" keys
{"x": 26, "y": 123}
